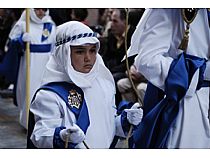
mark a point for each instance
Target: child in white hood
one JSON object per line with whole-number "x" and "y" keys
{"x": 77, "y": 103}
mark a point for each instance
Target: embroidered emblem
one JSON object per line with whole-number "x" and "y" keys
{"x": 74, "y": 99}
{"x": 46, "y": 33}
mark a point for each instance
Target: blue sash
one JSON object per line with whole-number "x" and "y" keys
{"x": 40, "y": 48}
{"x": 160, "y": 113}
{"x": 34, "y": 48}
{"x": 62, "y": 89}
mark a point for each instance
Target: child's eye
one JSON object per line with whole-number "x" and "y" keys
{"x": 93, "y": 50}
{"x": 79, "y": 51}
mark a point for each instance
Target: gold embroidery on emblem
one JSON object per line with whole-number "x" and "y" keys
{"x": 74, "y": 99}
{"x": 45, "y": 33}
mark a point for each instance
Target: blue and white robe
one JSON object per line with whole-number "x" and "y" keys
{"x": 51, "y": 111}
{"x": 156, "y": 40}
{"x": 41, "y": 47}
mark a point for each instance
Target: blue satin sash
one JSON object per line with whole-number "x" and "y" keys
{"x": 161, "y": 108}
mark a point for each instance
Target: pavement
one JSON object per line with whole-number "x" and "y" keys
{"x": 12, "y": 134}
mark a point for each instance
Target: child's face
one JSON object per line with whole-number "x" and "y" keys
{"x": 40, "y": 13}
{"x": 83, "y": 57}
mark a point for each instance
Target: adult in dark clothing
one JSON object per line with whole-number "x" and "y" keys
{"x": 60, "y": 15}
{"x": 80, "y": 14}
{"x": 115, "y": 47}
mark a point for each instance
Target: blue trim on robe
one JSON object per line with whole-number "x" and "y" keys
{"x": 34, "y": 48}
{"x": 62, "y": 89}
{"x": 120, "y": 111}
{"x": 124, "y": 105}
{"x": 40, "y": 48}
{"x": 58, "y": 143}
{"x": 160, "y": 113}
{"x": 124, "y": 122}
{"x": 48, "y": 27}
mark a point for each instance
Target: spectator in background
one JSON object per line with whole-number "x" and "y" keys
{"x": 102, "y": 16}
{"x": 115, "y": 47}
{"x": 126, "y": 90}
{"x": 124, "y": 84}
{"x": 80, "y": 14}
{"x": 104, "y": 20}
{"x": 107, "y": 20}
{"x": 60, "y": 15}
{"x": 135, "y": 16}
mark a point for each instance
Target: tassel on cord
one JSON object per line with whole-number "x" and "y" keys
{"x": 188, "y": 15}
{"x": 184, "y": 43}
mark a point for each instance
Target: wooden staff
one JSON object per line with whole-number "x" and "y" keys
{"x": 27, "y": 67}
{"x": 131, "y": 81}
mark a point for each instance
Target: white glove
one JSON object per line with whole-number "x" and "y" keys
{"x": 134, "y": 114}
{"x": 26, "y": 37}
{"x": 73, "y": 133}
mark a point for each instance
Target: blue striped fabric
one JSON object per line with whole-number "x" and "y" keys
{"x": 40, "y": 48}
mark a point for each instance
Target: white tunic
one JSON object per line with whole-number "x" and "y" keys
{"x": 37, "y": 63}
{"x": 54, "y": 113}
{"x": 156, "y": 41}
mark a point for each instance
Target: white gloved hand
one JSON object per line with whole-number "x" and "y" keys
{"x": 73, "y": 133}
{"x": 26, "y": 37}
{"x": 134, "y": 114}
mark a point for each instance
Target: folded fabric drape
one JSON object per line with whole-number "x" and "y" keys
{"x": 161, "y": 108}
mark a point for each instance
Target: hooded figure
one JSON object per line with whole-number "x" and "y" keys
{"x": 41, "y": 39}
{"x": 156, "y": 40}
{"x": 77, "y": 102}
